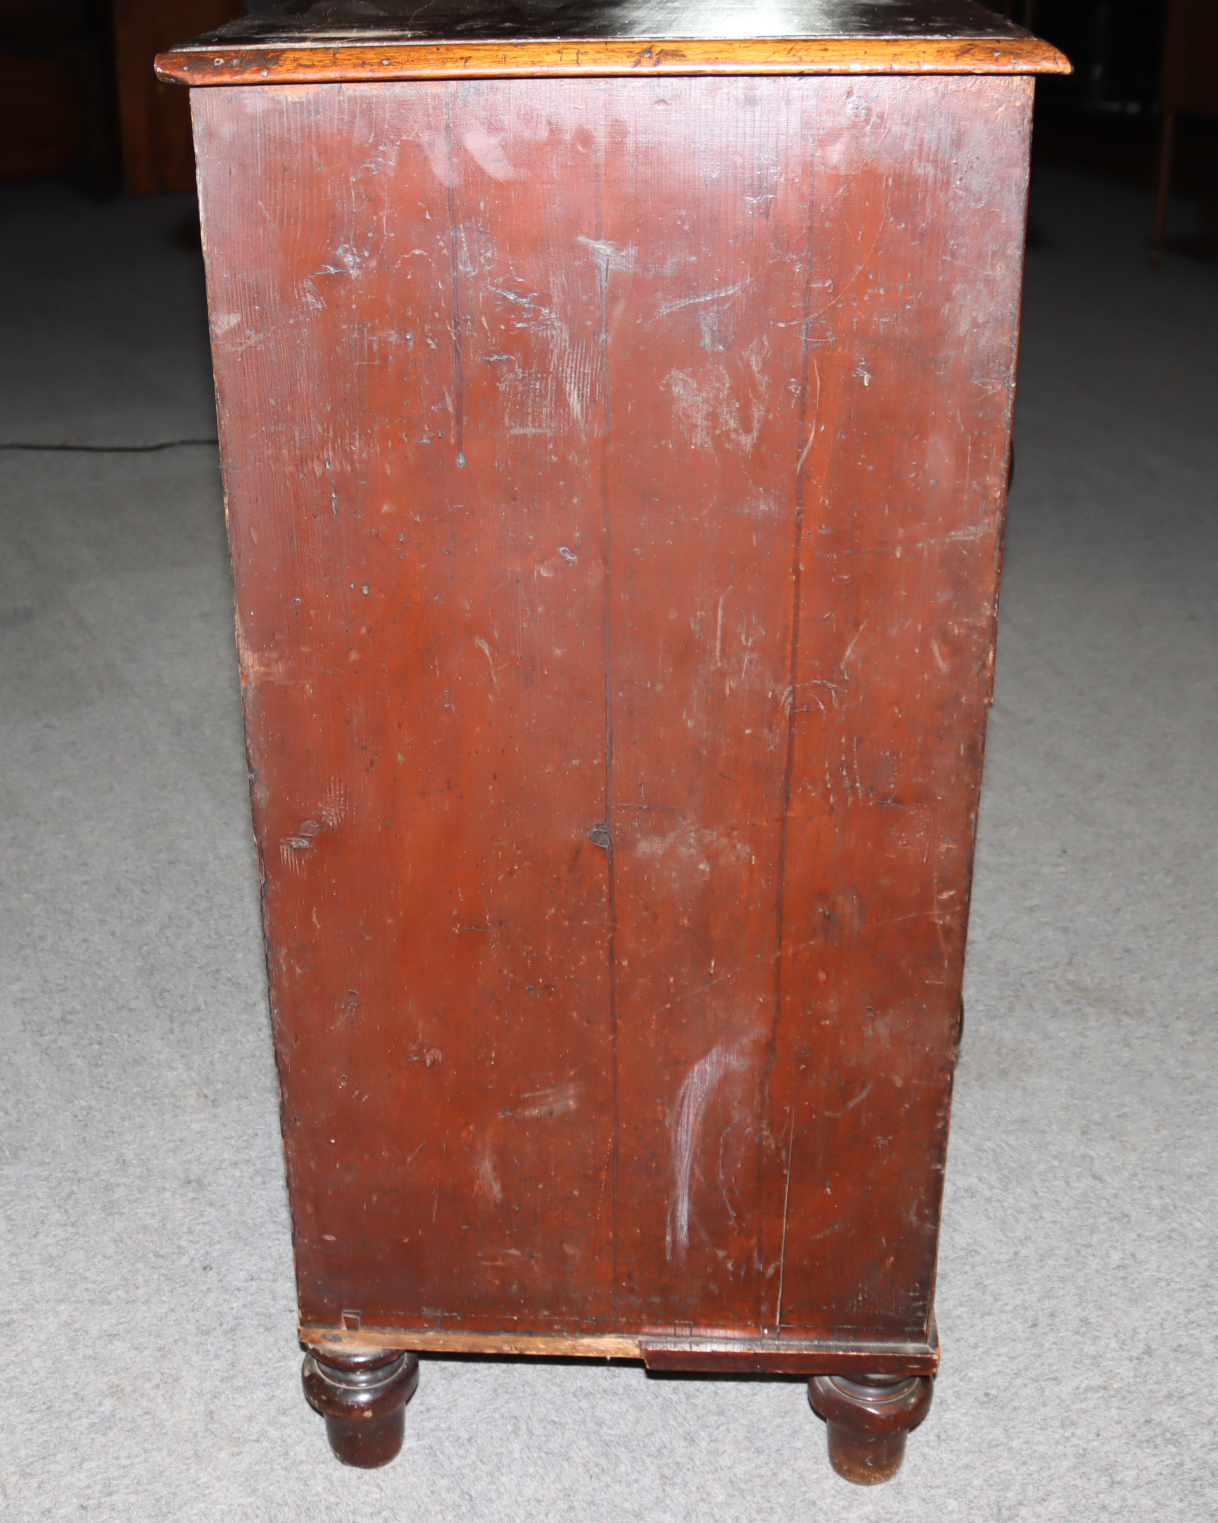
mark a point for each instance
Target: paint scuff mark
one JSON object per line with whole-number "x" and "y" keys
{"x": 850, "y": 1104}
{"x": 490, "y": 660}
{"x": 293, "y": 848}
{"x": 724, "y": 294}
{"x": 558, "y": 1100}
{"x": 536, "y": 384}
{"x": 688, "y": 846}
{"x": 436, "y": 149}
{"x": 259, "y": 666}
{"x": 709, "y": 405}
{"x": 693, "y": 1098}
{"x": 488, "y": 1180}
{"x": 487, "y": 152}
{"x": 609, "y": 255}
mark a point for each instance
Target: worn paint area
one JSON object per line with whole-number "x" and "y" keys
{"x": 556, "y": 1100}
{"x": 698, "y": 1089}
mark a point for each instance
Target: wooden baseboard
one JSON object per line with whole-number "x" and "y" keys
{"x": 776, "y": 1356}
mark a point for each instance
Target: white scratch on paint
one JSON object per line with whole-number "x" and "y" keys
{"x": 609, "y": 255}
{"x": 558, "y": 1100}
{"x": 725, "y": 294}
{"x": 845, "y": 661}
{"x": 533, "y": 391}
{"x": 488, "y": 1179}
{"x": 688, "y": 845}
{"x": 713, "y": 405}
{"x": 850, "y": 1104}
{"x": 490, "y": 660}
{"x": 293, "y": 848}
{"x": 692, "y": 1099}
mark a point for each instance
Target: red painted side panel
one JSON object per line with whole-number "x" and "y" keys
{"x": 615, "y": 472}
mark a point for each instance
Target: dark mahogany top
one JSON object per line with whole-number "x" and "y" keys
{"x": 395, "y": 39}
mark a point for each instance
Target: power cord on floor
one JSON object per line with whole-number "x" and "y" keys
{"x": 110, "y": 449}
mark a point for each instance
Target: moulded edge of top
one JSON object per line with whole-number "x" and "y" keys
{"x": 322, "y": 63}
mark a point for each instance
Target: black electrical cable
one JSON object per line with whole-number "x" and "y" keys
{"x": 110, "y": 449}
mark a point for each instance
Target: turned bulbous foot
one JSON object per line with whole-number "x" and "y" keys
{"x": 868, "y": 1417}
{"x": 362, "y": 1397}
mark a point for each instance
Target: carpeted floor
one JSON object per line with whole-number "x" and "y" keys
{"x": 150, "y": 1367}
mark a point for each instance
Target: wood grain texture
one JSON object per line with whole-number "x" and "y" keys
{"x": 540, "y": 1345}
{"x": 392, "y": 40}
{"x": 904, "y": 476}
{"x": 615, "y": 477}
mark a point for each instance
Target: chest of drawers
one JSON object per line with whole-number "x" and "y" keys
{"x": 614, "y": 405}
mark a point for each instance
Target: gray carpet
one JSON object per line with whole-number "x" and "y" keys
{"x": 149, "y": 1365}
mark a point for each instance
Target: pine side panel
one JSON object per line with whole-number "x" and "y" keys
{"x": 615, "y": 473}
{"x": 409, "y": 504}
{"x": 919, "y": 204}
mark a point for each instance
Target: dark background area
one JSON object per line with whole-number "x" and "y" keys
{"x": 78, "y": 98}
{"x": 1105, "y": 118}
{"x": 58, "y": 100}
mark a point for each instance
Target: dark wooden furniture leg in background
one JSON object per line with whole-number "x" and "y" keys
{"x": 1162, "y": 189}
{"x": 362, "y": 1395}
{"x": 868, "y": 1417}
{"x": 1189, "y": 86}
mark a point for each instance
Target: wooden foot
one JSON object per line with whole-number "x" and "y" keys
{"x": 868, "y": 1417}
{"x": 362, "y": 1397}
